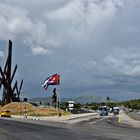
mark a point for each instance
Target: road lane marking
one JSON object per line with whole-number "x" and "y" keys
{"x": 97, "y": 121}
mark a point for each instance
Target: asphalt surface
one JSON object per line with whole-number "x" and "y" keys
{"x": 93, "y": 129}
{"x": 134, "y": 115}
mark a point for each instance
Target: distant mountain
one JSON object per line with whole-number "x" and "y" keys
{"x": 81, "y": 99}
{"x": 89, "y": 99}
{"x": 40, "y": 99}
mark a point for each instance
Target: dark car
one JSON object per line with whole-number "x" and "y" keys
{"x": 103, "y": 111}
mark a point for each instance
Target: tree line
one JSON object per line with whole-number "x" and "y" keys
{"x": 130, "y": 104}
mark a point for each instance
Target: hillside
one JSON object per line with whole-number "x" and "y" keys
{"x": 81, "y": 99}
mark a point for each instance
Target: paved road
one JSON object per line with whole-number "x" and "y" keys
{"x": 134, "y": 115}
{"x": 93, "y": 129}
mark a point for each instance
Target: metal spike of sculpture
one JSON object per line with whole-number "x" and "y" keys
{"x": 10, "y": 93}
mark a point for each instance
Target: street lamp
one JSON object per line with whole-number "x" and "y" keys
{"x": 21, "y": 99}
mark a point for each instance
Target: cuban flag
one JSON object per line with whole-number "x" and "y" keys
{"x": 52, "y": 80}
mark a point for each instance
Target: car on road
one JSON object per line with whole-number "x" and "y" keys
{"x": 103, "y": 111}
{"x": 5, "y": 113}
{"x": 116, "y": 110}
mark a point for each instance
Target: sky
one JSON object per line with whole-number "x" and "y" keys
{"x": 93, "y": 44}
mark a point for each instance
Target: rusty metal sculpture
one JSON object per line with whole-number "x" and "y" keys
{"x": 10, "y": 93}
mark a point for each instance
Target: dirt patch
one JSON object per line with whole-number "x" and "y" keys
{"x": 17, "y": 108}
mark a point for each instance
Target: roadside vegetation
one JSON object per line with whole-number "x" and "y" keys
{"x": 130, "y": 104}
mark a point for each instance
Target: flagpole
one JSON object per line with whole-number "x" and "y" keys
{"x": 53, "y": 80}
{"x": 59, "y": 113}
{"x": 59, "y": 102}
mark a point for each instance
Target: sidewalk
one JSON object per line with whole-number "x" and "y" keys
{"x": 67, "y": 118}
{"x": 123, "y": 118}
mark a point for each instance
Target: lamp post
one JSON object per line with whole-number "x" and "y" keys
{"x": 37, "y": 103}
{"x": 21, "y": 98}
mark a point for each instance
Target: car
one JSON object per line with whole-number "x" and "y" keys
{"x": 103, "y": 111}
{"x": 116, "y": 110}
{"x": 5, "y": 113}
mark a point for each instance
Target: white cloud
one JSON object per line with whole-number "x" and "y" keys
{"x": 75, "y": 12}
{"x": 1, "y": 54}
{"x": 40, "y": 50}
{"x": 119, "y": 62}
{"x": 16, "y": 24}
{"x": 78, "y": 25}
{"x": 91, "y": 66}
{"x": 116, "y": 62}
{"x": 125, "y": 62}
{"x": 71, "y": 23}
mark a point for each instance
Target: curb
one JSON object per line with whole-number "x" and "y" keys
{"x": 58, "y": 118}
{"x": 125, "y": 119}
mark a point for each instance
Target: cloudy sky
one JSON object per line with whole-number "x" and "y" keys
{"x": 93, "y": 44}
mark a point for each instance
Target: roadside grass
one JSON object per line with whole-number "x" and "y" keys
{"x": 17, "y": 108}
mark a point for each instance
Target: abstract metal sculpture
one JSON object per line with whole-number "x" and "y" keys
{"x": 10, "y": 93}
